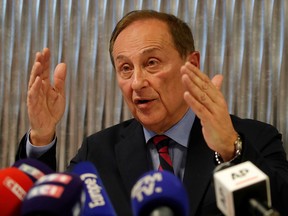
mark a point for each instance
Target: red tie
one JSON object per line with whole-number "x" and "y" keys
{"x": 161, "y": 142}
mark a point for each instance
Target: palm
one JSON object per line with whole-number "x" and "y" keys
{"x": 45, "y": 102}
{"x": 206, "y": 100}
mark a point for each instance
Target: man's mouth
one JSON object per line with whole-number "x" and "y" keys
{"x": 142, "y": 101}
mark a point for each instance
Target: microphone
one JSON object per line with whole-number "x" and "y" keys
{"x": 159, "y": 193}
{"x": 242, "y": 189}
{"x": 55, "y": 194}
{"x": 97, "y": 201}
{"x": 14, "y": 185}
{"x": 35, "y": 169}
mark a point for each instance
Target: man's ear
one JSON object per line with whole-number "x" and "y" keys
{"x": 194, "y": 58}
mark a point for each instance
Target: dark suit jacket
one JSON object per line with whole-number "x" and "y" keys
{"x": 121, "y": 157}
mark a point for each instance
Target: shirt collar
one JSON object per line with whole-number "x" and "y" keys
{"x": 179, "y": 132}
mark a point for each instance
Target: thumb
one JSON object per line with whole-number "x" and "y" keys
{"x": 217, "y": 81}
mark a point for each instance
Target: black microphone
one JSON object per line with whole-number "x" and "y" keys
{"x": 33, "y": 168}
{"x": 97, "y": 201}
{"x": 56, "y": 194}
{"x": 243, "y": 189}
{"x": 159, "y": 193}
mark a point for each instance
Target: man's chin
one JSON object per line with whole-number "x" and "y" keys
{"x": 153, "y": 125}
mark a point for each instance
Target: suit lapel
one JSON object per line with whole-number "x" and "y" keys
{"x": 131, "y": 155}
{"x": 199, "y": 167}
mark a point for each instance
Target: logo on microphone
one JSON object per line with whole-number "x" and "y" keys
{"x": 56, "y": 177}
{"x": 14, "y": 187}
{"x": 49, "y": 190}
{"x": 239, "y": 174}
{"x": 36, "y": 173}
{"x": 94, "y": 190}
{"x": 147, "y": 186}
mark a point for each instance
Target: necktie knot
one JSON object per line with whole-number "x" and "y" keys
{"x": 161, "y": 143}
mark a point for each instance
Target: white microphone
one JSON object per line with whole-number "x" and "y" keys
{"x": 242, "y": 189}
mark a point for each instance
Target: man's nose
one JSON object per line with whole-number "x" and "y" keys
{"x": 139, "y": 78}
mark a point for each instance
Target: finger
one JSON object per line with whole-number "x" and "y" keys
{"x": 38, "y": 57}
{"x": 44, "y": 59}
{"x": 46, "y": 54}
{"x": 199, "y": 88}
{"x": 46, "y": 63}
{"x": 36, "y": 69}
{"x": 217, "y": 81}
{"x": 34, "y": 91}
{"x": 203, "y": 85}
{"x": 42, "y": 56}
{"x": 198, "y": 78}
{"x": 198, "y": 108}
{"x": 194, "y": 90}
{"x": 59, "y": 78}
{"x": 35, "y": 72}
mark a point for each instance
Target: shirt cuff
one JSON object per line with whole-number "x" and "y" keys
{"x": 33, "y": 151}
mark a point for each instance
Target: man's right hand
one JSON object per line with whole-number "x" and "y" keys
{"x": 45, "y": 101}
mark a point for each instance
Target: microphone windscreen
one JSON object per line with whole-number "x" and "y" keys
{"x": 14, "y": 185}
{"x": 97, "y": 201}
{"x": 155, "y": 190}
{"x": 55, "y": 194}
{"x": 35, "y": 169}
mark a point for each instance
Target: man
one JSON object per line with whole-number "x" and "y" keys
{"x": 158, "y": 73}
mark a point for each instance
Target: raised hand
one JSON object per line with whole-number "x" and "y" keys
{"x": 45, "y": 101}
{"x": 206, "y": 100}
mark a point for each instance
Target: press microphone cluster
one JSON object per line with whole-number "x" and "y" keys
{"x": 243, "y": 189}
{"x": 76, "y": 193}
{"x": 158, "y": 194}
{"x": 29, "y": 187}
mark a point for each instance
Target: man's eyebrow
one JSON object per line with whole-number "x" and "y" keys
{"x": 144, "y": 51}
{"x": 120, "y": 57}
{"x": 149, "y": 50}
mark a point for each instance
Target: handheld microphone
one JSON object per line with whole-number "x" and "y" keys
{"x": 55, "y": 194}
{"x": 97, "y": 201}
{"x": 159, "y": 193}
{"x": 35, "y": 169}
{"x": 242, "y": 189}
{"x": 14, "y": 185}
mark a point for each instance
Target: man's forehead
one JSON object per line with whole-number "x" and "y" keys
{"x": 156, "y": 27}
{"x": 146, "y": 36}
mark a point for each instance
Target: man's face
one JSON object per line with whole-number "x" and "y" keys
{"x": 148, "y": 73}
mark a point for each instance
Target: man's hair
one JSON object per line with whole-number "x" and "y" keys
{"x": 179, "y": 30}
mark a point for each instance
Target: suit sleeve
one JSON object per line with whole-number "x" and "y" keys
{"x": 48, "y": 157}
{"x": 264, "y": 148}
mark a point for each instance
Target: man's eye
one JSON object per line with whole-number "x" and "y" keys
{"x": 125, "y": 71}
{"x": 125, "y": 68}
{"x": 152, "y": 62}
